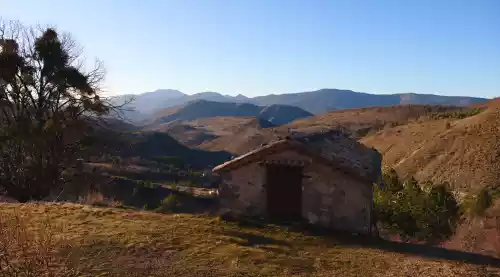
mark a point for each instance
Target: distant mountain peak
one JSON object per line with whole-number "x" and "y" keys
{"x": 318, "y": 101}
{"x": 212, "y": 93}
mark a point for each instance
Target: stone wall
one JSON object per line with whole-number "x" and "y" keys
{"x": 242, "y": 190}
{"x": 336, "y": 200}
{"x": 330, "y": 198}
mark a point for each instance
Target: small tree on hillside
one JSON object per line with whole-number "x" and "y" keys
{"x": 46, "y": 101}
{"x": 408, "y": 210}
{"x": 441, "y": 214}
{"x": 391, "y": 180}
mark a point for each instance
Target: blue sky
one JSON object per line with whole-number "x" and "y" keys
{"x": 256, "y": 47}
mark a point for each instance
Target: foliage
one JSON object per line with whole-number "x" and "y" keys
{"x": 169, "y": 204}
{"x": 178, "y": 162}
{"x": 476, "y": 205}
{"x": 429, "y": 214}
{"x": 46, "y": 100}
{"x": 391, "y": 180}
{"x": 460, "y": 114}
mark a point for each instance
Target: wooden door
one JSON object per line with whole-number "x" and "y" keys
{"x": 284, "y": 192}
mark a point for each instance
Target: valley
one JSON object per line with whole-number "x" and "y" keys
{"x": 249, "y": 138}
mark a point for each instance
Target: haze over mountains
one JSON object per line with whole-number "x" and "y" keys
{"x": 315, "y": 102}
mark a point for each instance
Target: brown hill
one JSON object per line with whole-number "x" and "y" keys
{"x": 464, "y": 152}
{"x": 442, "y": 143}
{"x": 276, "y": 114}
{"x": 362, "y": 121}
{"x": 241, "y": 134}
{"x": 201, "y": 132}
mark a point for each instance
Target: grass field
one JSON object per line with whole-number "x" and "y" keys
{"x": 116, "y": 242}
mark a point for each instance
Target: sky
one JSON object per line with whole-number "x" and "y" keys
{"x": 258, "y": 47}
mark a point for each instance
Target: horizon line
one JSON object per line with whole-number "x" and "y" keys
{"x": 305, "y": 91}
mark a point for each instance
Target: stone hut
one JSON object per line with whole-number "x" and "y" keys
{"x": 326, "y": 179}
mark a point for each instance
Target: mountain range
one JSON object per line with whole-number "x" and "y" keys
{"x": 197, "y": 109}
{"x": 146, "y": 104}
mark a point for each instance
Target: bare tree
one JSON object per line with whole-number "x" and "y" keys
{"x": 47, "y": 99}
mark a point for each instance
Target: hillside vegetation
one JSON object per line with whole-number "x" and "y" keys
{"x": 462, "y": 151}
{"x": 451, "y": 144}
{"x": 360, "y": 122}
{"x": 150, "y": 145}
{"x": 91, "y": 241}
{"x": 239, "y": 135}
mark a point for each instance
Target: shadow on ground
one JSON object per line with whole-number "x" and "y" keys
{"x": 335, "y": 238}
{"x": 251, "y": 240}
{"x": 422, "y": 250}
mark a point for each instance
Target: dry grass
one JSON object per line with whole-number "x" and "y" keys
{"x": 28, "y": 252}
{"x": 480, "y": 234}
{"x": 464, "y": 152}
{"x": 122, "y": 243}
{"x": 212, "y": 133}
{"x": 239, "y": 135}
{"x": 366, "y": 120}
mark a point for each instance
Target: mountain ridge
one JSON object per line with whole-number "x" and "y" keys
{"x": 197, "y": 109}
{"x": 315, "y": 102}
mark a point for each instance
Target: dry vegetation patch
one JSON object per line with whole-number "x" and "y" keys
{"x": 464, "y": 152}
{"x": 122, "y": 242}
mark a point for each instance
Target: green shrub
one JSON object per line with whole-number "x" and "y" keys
{"x": 169, "y": 204}
{"x": 476, "y": 205}
{"x": 170, "y": 160}
{"x": 391, "y": 180}
{"x": 460, "y": 114}
{"x": 441, "y": 214}
{"x": 429, "y": 214}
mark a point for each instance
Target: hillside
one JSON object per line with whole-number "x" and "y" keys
{"x": 139, "y": 107}
{"x": 441, "y": 143}
{"x": 282, "y": 114}
{"x": 464, "y": 152}
{"x": 238, "y": 136}
{"x": 276, "y": 114}
{"x": 151, "y": 145}
{"x": 362, "y": 121}
{"x": 126, "y": 242}
{"x": 198, "y": 132}
{"x": 315, "y": 102}
{"x": 325, "y": 100}
{"x": 244, "y": 137}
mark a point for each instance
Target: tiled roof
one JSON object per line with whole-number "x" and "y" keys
{"x": 333, "y": 147}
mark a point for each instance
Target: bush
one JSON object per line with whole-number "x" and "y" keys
{"x": 412, "y": 212}
{"x": 460, "y": 114}
{"x": 476, "y": 205}
{"x": 178, "y": 162}
{"x": 441, "y": 214}
{"x": 391, "y": 180}
{"x": 169, "y": 204}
